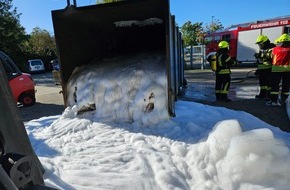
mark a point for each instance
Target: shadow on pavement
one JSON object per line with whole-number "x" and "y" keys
{"x": 39, "y": 110}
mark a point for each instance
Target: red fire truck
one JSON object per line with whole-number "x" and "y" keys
{"x": 242, "y": 37}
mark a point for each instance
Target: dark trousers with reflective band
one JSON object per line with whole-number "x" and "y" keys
{"x": 275, "y": 85}
{"x": 264, "y": 81}
{"x": 222, "y": 86}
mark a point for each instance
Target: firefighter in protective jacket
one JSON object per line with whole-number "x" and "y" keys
{"x": 264, "y": 65}
{"x": 280, "y": 71}
{"x": 221, "y": 63}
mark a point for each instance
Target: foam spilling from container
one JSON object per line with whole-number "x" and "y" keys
{"x": 124, "y": 89}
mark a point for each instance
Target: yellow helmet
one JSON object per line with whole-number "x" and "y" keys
{"x": 261, "y": 39}
{"x": 277, "y": 41}
{"x": 223, "y": 44}
{"x": 283, "y": 38}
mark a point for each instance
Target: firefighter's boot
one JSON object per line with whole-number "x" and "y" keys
{"x": 267, "y": 95}
{"x": 218, "y": 97}
{"x": 261, "y": 95}
{"x": 225, "y": 98}
{"x": 283, "y": 98}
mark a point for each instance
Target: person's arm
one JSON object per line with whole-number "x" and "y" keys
{"x": 228, "y": 61}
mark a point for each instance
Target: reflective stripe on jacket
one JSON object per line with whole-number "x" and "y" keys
{"x": 223, "y": 64}
{"x": 265, "y": 58}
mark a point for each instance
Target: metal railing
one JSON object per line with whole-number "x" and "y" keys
{"x": 195, "y": 56}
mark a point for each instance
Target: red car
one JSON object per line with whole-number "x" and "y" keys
{"x": 22, "y": 85}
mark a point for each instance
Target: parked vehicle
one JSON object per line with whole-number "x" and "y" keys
{"x": 21, "y": 84}
{"x": 242, "y": 37}
{"x": 54, "y": 65}
{"x": 35, "y": 66}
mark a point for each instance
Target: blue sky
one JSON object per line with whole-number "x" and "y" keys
{"x": 38, "y": 12}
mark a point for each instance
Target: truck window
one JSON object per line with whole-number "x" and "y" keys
{"x": 217, "y": 38}
{"x": 287, "y": 30}
{"x": 207, "y": 39}
{"x": 226, "y": 37}
{"x": 10, "y": 71}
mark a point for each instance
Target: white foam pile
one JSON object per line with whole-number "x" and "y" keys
{"x": 124, "y": 89}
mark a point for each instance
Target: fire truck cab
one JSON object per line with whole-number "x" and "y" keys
{"x": 211, "y": 40}
{"x": 242, "y": 37}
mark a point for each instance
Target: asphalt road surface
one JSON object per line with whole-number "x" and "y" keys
{"x": 243, "y": 89}
{"x": 49, "y": 100}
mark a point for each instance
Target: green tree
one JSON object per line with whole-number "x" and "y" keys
{"x": 192, "y": 33}
{"x": 41, "y": 42}
{"x": 41, "y": 45}
{"x": 12, "y": 34}
{"x": 214, "y": 26}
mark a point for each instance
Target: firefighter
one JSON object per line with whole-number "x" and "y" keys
{"x": 280, "y": 71}
{"x": 222, "y": 63}
{"x": 264, "y": 65}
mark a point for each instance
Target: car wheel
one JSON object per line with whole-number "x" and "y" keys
{"x": 27, "y": 99}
